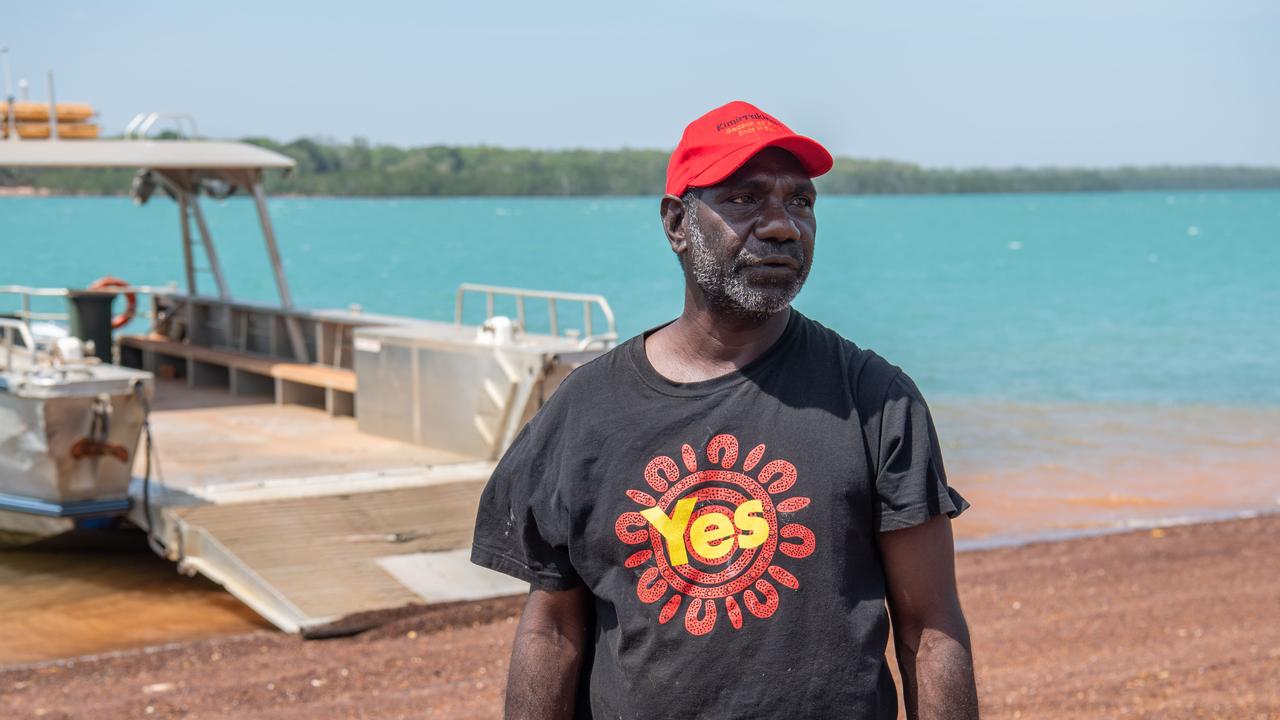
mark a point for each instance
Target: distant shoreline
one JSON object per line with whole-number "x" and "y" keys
{"x": 30, "y": 191}
{"x": 358, "y": 169}
{"x": 25, "y": 191}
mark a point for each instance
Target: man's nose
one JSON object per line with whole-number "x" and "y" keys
{"x": 776, "y": 223}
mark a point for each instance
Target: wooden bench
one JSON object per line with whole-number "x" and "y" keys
{"x": 251, "y": 374}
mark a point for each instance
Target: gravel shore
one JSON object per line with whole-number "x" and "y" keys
{"x": 1182, "y": 622}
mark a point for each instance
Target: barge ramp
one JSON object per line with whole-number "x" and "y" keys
{"x": 300, "y": 516}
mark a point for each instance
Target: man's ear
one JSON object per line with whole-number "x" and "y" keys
{"x": 673, "y": 223}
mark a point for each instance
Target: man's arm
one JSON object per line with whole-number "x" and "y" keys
{"x": 547, "y": 654}
{"x": 929, "y": 630}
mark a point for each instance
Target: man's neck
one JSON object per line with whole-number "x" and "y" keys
{"x": 703, "y": 344}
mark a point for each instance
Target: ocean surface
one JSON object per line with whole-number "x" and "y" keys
{"x": 1166, "y": 298}
{"x": 1104, "y": 357}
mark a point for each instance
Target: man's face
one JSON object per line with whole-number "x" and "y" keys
{"x": 751, "y": 237}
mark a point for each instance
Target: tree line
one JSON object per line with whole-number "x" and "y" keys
{"x": 361, "y": 169}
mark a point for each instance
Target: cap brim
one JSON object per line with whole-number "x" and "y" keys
{"x": 815, "y": 159}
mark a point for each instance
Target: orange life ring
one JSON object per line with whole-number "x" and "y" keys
{"x": 131, "y": 308}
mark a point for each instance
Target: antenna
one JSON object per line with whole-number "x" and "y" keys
{"x": 8, "y": 91}
{"x": 8, "y": 79}
{"x": 53, "y": 110}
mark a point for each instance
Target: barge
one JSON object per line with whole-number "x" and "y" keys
{"x": 318, "y": 464}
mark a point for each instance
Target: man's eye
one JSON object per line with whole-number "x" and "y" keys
{"x": 740, "y": 199}
{"x": 803, "y": 201}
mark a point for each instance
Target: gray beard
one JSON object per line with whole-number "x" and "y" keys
{"x": 727, "y": 288}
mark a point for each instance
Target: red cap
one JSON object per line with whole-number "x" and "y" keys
{"x": 715, "y": 145}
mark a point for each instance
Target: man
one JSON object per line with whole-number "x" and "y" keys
{"x": 713, "y": 514}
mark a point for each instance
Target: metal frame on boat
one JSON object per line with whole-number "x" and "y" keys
{"x": 308, "y": 517}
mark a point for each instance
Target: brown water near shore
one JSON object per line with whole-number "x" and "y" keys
{"x": 1040, "y": 469}
{"x": 87, "y": 592}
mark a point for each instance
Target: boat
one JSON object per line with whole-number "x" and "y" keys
{"x": 69, "y": 425}
{"x": 30, "y": 120}
{"x": 317, "y": 463}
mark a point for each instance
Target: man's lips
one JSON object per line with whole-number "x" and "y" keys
{"x": 775, "y": 262}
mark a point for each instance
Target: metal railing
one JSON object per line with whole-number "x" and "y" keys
{"x": 257, "y": 328}
{"x": 25, "y": 293}
{"x": 11, "y": 327}
{"x": 142, "y": 123}
{"x": 552, "y": 297}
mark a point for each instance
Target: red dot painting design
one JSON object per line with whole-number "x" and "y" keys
{"x": 630, "y": 528}
{"x": 741, "y": 577}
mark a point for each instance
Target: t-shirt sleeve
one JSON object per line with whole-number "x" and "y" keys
{"x": 911, "y": 482}
{"x": 522, "y": 526}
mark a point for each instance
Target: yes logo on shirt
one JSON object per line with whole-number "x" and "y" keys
{"x": 713, "y": 534}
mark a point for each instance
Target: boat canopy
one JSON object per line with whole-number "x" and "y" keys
{"x": 148, "y": 154}
{"x": 185, "y": 169}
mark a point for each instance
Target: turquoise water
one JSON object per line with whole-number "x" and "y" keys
{"x": 1135, "y": 297}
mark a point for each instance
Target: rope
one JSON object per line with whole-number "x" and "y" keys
{"x": 157, "y": 546}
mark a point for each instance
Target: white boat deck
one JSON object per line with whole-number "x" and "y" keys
{"x": 206, "y": 437}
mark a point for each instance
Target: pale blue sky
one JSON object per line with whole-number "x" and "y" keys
{"x": 1073, "y": 82}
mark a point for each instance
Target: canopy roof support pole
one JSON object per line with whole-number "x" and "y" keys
{"x": 189, "y": 310}
{"x": 188, "y": 262}
{"x": 273, "y": 252}
{"x": 214, "y": 266}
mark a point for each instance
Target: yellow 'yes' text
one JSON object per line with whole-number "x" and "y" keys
{"x": 710, "y": 535}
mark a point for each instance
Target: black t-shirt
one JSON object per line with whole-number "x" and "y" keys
{"x": 726, "y": 528}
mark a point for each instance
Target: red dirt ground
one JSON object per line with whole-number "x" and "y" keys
{"x": 1176, "y": 623}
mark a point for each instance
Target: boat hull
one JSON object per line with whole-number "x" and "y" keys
{"x": 43, "y": 450}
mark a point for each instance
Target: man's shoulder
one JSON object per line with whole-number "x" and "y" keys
{"x": 574, "y": 404}
{"x": 600, "y": 373}
{"x": 869, "y": 374}
{"x": 871, "y": 377}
